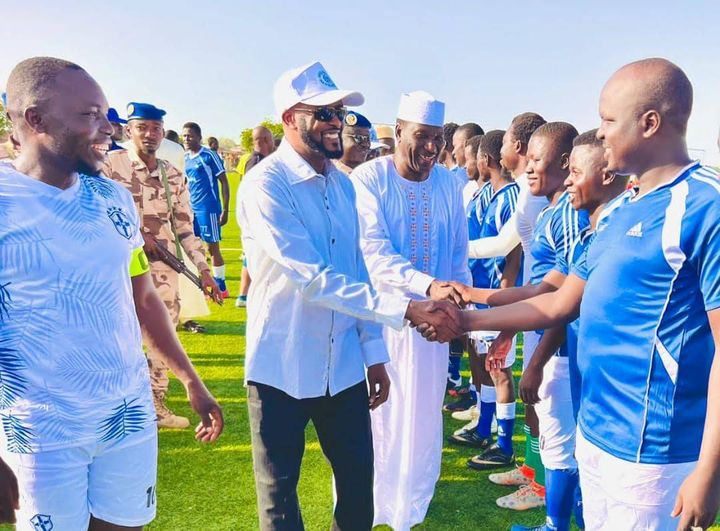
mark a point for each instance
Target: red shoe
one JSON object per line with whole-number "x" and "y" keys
{"x": 225, "y": 294}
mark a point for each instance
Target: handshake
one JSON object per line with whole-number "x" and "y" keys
{"x": 440, "y": 318}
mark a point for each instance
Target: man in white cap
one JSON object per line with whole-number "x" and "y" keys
{"x": 312, "y": 313}
{"x": 414, "y": 236}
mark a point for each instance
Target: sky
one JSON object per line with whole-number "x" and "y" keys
{"x": 215, "y": 62}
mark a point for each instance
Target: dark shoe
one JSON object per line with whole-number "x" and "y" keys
{"x": 465, "y": 401}
{"x": 193, "y": 327}
{"x": 470, "y": 438}
{"x": 493, "y": 457}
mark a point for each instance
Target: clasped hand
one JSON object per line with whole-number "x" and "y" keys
{"x": 439, "y": 319}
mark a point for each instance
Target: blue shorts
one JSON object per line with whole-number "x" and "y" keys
{"x": 207, "y": 226}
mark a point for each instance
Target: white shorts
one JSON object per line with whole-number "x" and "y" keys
{"x": 530, "y": 343}
{"x": 620, "y": 495}
{"x": 482, "y": 339}
{"x": 555, "y": 416}
{"x": 114, "y": 482}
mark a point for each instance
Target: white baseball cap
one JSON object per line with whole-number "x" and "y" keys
{"x": 312, "y": 85}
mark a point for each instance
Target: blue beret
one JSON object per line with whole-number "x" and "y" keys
{"x": 114, "y": 117}
{"x": 144, "y": 111}
{"x": 355, "y": 119}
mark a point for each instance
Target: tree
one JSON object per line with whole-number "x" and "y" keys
{"x": 4, "y": 124}
{"x": 246, "y": 136}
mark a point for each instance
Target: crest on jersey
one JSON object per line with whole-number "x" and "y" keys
{"x": 42, "y": 522}
{"x": 121, "y": 221}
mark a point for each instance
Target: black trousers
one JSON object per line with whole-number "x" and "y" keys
{"x": 342, "y": 423}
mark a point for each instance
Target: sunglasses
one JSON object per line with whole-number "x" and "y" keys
{"x": 325, "y": 114}
{"x": 360, "y": 139}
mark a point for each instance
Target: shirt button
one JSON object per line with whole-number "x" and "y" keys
{"x": 332, "y": 241}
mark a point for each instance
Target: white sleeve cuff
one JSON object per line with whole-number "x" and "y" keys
{"x": 375, "y": 352}
{"x": 419, "y": 283}
{"x": 391, "y": 310}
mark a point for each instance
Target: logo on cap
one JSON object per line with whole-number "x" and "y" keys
{"x": 131, "y": 109}
{"x": 325, "y": 79}
{"x": 350, "y": 119}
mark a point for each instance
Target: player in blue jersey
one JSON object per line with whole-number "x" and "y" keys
{"x": 205, "y": 171}
{"x": 494, "y": 273}
{"x": 556, "y": 228}
{"x": 79, "y": 438}
{"x": 589, "y": 188}
{"x": 475, "y": 206}
{"x": 648, "y": 293}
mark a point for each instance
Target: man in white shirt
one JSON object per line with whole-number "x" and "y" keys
{"x": 311, "y": 328}
{"x": 413, "y": 233}
{"x": 79, "y": 437}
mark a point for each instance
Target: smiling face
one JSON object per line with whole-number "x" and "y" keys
{"x": 146, "y": 135}
{"x": 320, "y": 137}
{"x": 620, "y": 126}
{"x": 75, "y": 128}
{"x": 585, "y": 181}
{"x": 418, "y": 147}
{"x": 546, "y": 168}
{"x": 356, "y": 144}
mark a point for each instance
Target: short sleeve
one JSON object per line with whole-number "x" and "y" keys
{"x": 216, "y": 163}
{"x": 707, "y": 256}
{"x": 578, "y": 264}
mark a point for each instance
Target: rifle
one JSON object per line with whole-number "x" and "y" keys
{"x": 179, "y": 266}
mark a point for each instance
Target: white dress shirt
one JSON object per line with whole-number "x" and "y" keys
{"x": 312, "y": 315}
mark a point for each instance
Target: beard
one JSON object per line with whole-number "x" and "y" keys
{"x": 316, "y": 146}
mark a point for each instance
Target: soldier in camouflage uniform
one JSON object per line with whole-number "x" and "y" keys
{"x": 140, "y": 171}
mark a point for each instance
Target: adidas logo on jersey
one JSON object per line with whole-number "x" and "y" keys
{"x": 635, "y": 231}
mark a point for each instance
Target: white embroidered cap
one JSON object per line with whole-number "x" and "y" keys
{"x": 422, "y": 108}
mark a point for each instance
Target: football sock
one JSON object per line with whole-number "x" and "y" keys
{"x": 528, "y": 452}
{"x": 506, "y": 424}
{"x": 560, "y": 487}
{"x": 487, "y": 410}
{"x": 536, "y": 461}
{"x": 454, "y": 367}
{"x": 579, "y": 520}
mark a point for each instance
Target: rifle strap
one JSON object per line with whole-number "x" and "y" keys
{"x": 171, "y": 212}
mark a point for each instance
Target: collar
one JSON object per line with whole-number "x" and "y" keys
{"x": 299, "y": 168}
{"x": 137, "y": 162}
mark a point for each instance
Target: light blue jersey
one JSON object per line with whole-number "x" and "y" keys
{"x": 72, "y": 368}
{"x": 203, "y": 169}
{"x": 476, "y": 209}
{"x": 556, "y": 229}
{"x": 645, "y": 342}
{"x": 487, "y": 272}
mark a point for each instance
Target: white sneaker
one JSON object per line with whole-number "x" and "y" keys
{"x": 469, "y": 426}
{"x": 469, "y": 414}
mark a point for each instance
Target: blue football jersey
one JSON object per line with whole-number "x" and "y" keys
{"x": 203, "y": 169}
{"x": 487, "y": 272}
{"x": 645, "y": 342}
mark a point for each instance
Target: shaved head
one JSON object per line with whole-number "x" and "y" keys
{"x": 644, "y": 111}
{"x": 659, "y": 85}
{"x": 263, "y": 141}
{"x": 33, "y": 83}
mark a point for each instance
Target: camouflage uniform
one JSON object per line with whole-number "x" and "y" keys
{"x": 148, "y": 191}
